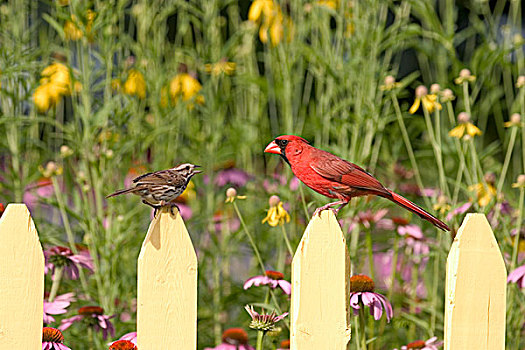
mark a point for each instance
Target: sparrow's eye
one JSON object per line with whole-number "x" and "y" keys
{"x": 187, "y": 167}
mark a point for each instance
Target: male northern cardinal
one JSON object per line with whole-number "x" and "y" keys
{"x": 334, "y": 177}
{"x": 161, "y": 188}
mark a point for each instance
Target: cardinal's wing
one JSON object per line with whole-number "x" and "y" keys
{"x": 339, "y": 170}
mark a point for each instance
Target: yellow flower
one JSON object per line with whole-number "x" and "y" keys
{"x": 220, "y": 67}
{"x": 272, "y": 21}
{"x": 135, "y": 85}
{"x": 429, "y": 101}
{"x": 389, "y": 84}
{"x": 464, "y": 128}
{"x": 41, "y": 98}
{"x": 185, "y": 86}
{"x": 464, "y": 76}
{"x": 72, "y": 27}
{"x": 442, "y": 205}
{"x": 188, "y": 194}
{"x": 328, "y": 3}
{"x": 515, "y": 120}
{"x": 57, "y": 74}
{"x": 520, "y": 182}
{"x": 231, "y": 195}
{"x": 483, "y": 194}
{"x": 276, "y": 215}
{"x": 55, "y": 83}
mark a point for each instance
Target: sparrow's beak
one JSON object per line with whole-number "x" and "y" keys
{"x": 197, "y": 171}
{"x": 272, "y": 148}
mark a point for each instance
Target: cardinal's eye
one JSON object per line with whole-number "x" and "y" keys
{"x": 284, "y": 142}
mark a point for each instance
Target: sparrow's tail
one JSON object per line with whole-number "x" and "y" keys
{"x": 119, "y": 192}
{"x": 405, "y": 203}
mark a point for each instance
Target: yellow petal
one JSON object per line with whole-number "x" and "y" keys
{"x": 415, "y": 106}
{"x": 254, "y": 13}
{"x": 472, "y": 130}
{"x": 41, "y": 98}
{"x": 458, "y": 131}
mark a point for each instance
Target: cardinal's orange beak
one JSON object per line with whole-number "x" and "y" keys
{"x": 272, "y": 148}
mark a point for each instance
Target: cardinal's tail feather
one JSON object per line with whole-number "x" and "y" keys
{"x": 119, "y": 192}
{"x": 405, "y": 203}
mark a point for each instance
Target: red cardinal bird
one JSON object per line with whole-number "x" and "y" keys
{"x": 334, "y": 177}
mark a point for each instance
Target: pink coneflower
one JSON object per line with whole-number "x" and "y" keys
{"x": 59, "y": 256}
{"x": 273, "y": 279}
{"x": 362, "y": 293}
{"x": 92, "y": 316}
{"x": 263, "y": 321}
{"x": 458, "y": 211}
{"x": 131, "y": 337}
{"x": 431, "y": 344}
{"x": 57, "y": 306}
{"x": 367, "y": 218}
{"x": 123, "y": 345}
{"x": 232, "y": 176}
{"x": 52, "y": 339}
{"x": 233, "y": 339}
{"x": 517, "y": 276}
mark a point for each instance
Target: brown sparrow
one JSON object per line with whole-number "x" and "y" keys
{"x": 161, "y": 188}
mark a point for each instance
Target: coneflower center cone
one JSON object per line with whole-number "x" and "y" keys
{"x": 90, "y": 310}
{"x": 361, "y": 283}
{"x": 235, "y": 336}
{"x": 274, "y": 275}
{"x": 418, "y": 344}
{"x": 52, "y": 335}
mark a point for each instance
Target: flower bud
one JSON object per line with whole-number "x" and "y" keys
{"x": 421, "y": 91}
{"x": 515, "y": 118}
{"x": 389, "y": 80}
{"x": 447, "y": 95}
{"x": 274, "y": 201}
{"x": 520, "y": 82}
{"x": 435, "y": 88}
{"x": 463, "y": 117}
{"x": 464, "y": 73}
{"x": 490, "y": 178}
{"x": 521, "y": 180}
{"x": 231, "y": 192}
{"x": 65, "y": 151}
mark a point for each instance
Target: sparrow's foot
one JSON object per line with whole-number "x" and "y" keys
{"x": 174, "y": 206}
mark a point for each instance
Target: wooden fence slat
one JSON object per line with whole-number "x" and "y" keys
{"x": 475, "y": 289}
{"x": 21, "y": 281}
{"x": 319, "y": 312}
{"x": 167, "y": 286}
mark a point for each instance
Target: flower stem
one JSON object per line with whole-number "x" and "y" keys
{"x": 437, "y": 154}
{"x": 57, "y": 277}
{"x": 370, "y": 249}
{"x": 408, "y": 146}
{"x": 250, "y": 238}
{"x": 518, "y": 230}
{"x": 288, "y": 245}
{"x": 260, "y": 338}
{"x": 362, "y": 326}
{"x": 503, "y": 173}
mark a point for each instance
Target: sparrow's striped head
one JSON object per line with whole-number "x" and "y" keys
{"x": 187, "y": 169}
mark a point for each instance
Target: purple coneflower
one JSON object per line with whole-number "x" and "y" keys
{"x": 57, "y": 306}
{"x": 458, "y": 211}
{"x": 52, "y": 339}
{"x": 233, "y": 176}
{"x": 131, "y": 337}
{"x": 273, "y": 279}
{"x": 517, "y": 276}
{"x": 233, "y": 339}
{"x": 431, "y": 344}
{"x": 94, "y": 317}
{"x": 123, "y": 345}
{"x": 362, "y": 293}
{"x": 59, "y": 256}
{"x": 263, "y": 321}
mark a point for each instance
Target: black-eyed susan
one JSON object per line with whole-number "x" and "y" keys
{"x": 442, "y": 205}
{"x": 185, "y": 86}
{"x": 429, "y": 101}
{"x": 221, "y": 67}
{"x": 447, "y": 95}
{"x": 464, "y": 128}
{"x": 520, "y": 182}
{"x": 269, "y": 16}
{"x": 389, "y": 84}
{"x": 515, "y": 120}
{"x": 74, "y": 29}
{"x": 276, "y": 215}
{"x": 465, "y": 76}
{"x": 135, "y": 85}
{"x": 332, "y": 4}
{"x": 55, "y": 83}
{"x": 485, "y": 192}
{"x": 231, "y": 195}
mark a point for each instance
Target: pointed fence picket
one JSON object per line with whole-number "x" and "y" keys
{"x": 319, "y": 315}
{"x": 475, "y": 289}
{"x": 319, "y": 311}
{"x": 167, "y": 286}
{"x": 21, "y": 281}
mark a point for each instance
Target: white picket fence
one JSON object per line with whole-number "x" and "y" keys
{"x": 319, "y": 315}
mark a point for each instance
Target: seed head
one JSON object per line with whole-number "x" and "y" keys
{"x": 515, "y": 118}
{"x": 361, "y": 283}
{"x": 231, "y": 192}
{"x": 464, "y": 73}
{"x": 52, "y": 335}
{"x": 463, "y": 117}
{"x": 447, "y": 95}
{"x": 421, "y": 91}
{"x": 490, "y": 178}
{"x": 235, "y": 336}
{"x": 274, "y": 201}
{"x": 520, "y": 82}
{"x": 435, "y": 88}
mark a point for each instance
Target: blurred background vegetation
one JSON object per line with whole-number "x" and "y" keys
{"x": 107, "y": 90}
